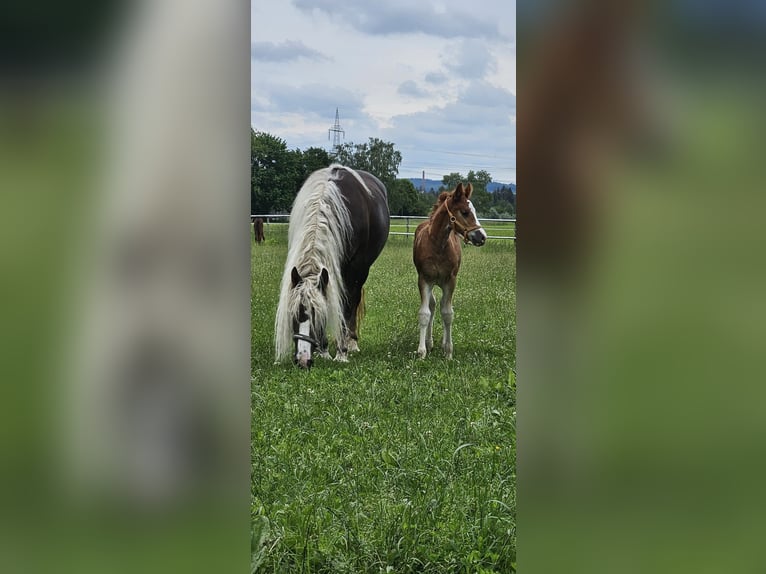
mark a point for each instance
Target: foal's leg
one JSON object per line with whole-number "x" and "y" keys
{"x": 430, "y": 329}
{"x": 425, "y": 317}
{"x": 447, "y": 315}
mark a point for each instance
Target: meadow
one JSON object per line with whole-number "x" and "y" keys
{"x": 389, "y": 463}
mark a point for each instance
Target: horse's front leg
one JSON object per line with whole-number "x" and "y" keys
{"x": 425, "y": 317}
{"x": 341, "y": 354}
{"x": 324, "y": 346}
{"x": 352, "y": 338}
{"x": 347, "y": 335}
{"x": 447, "y": 315}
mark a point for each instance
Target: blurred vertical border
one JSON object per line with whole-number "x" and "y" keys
{"x": 641, "y": 292}
{"x": 124, "y": 238}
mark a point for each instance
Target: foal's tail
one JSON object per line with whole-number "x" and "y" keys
{"x": 360, "y": 310}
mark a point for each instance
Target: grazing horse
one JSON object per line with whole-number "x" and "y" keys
{"x": 258, "y": 230}
{"x": 338, "y": 226}
{"x": 436, "y": 253}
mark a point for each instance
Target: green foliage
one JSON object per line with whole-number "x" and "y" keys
{"x": 355, "y": 466}
{"x": 378, "y": 157}
{"x": 500, "y": 204}
{"x": 276, "y": 173}
{"x": 450, "y": 181}
{"x": 312, "y": 159}
{"x": 481, "y": 198}
{"x": 404, "y": 199}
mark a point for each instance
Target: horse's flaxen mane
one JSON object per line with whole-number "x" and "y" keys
{"x": 318, "y": 237}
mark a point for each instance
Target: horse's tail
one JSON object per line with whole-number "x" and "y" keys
{"x": 360, "y": 311}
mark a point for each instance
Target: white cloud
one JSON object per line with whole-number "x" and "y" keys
{"x": 284, "y": 51}
{"x": 469, "y": 59}
{"x": 400, "y": 17}
{"x": 410, "y": 88}
{"x": 443, "y": 92}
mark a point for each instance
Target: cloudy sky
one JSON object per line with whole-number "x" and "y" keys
{"x": 437, "y": 78}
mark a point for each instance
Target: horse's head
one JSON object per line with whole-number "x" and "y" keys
{"x": 309, "y": 314}
{"x": 462, "y": 215}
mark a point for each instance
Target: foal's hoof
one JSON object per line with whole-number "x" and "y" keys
{"x": 341, "y": 358}
{"x": 422, "y": 353}
{"x": 353, "y": 346}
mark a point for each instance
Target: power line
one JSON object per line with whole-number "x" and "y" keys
{"x": 463, "y": 153}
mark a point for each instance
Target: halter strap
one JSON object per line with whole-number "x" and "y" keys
{"x": 454, "y": 224}
{"x": 302, "y": 337}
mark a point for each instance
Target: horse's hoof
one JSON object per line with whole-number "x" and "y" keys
{"x": 353, "y": 346}
{"x": 429, "y": 345}
{"x": 422, "y": 353}
{"x": 325, "y": 355}
{"x": 341, "y": 358}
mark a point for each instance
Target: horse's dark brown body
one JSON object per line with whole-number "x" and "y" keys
{"x": 258, "y": 230}
{"x": 338, "y": 226}
{"x": 437, "y": 253}
{"x": 370, "y": 224}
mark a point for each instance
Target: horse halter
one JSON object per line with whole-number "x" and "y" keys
{"x": 454, "y": 224}
{"x": 301, "y": 337}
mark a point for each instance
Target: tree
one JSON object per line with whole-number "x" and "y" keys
{"x": 275, "y": 173}
{"x": 403, "y": 198}
{"x": 480, "y": 197}
{"x": 378, "y": 157}
{"x": 312, "y": 159}
{"x": 506, "y": 194}
{"x": 450, "y": 181}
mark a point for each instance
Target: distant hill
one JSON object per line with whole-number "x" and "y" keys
{"x": 435, "y": 184}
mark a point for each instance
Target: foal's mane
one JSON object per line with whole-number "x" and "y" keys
{"x": 441, "y": 199}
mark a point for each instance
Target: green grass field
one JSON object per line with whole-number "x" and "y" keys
{"x": 389, "y": 463}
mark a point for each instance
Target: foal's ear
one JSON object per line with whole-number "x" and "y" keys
{"x": 324, "y": 279}
{"x": 458, "y": 191}
{"x": 296, "y": 277}
{"x": 468, "y": 191}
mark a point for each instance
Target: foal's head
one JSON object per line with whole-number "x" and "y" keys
{"x": 462, "y": 215}
{"x": 309, "y": 308}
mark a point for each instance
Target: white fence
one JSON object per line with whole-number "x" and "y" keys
{"x": 410, "y": 222}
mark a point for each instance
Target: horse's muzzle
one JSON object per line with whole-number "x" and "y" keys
{"x": 478, "y": 237}
{"x": 304, "y": 361}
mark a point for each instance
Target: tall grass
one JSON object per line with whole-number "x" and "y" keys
{"x": 389, "y": 463}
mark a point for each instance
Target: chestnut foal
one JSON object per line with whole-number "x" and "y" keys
{"x": 436, "y": 253}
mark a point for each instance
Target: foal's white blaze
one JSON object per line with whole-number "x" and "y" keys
{"x": 473, "y": 210}
{"x": 304, "y": 347}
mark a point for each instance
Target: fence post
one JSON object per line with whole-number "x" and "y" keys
{"x": 408, "y": 224}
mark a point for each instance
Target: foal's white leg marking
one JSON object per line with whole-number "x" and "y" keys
{"x": 424, "y": 318}
{"x": 303, "y": 354}
{"x": 447, "y": 316}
